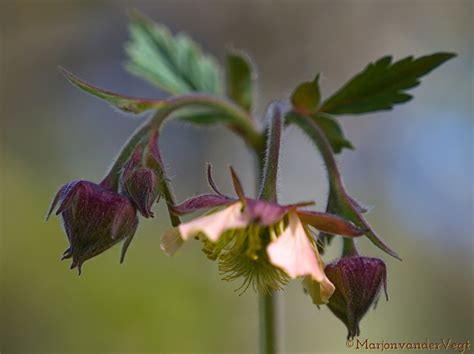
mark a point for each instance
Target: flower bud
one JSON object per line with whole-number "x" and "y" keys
{"x": 95, "y": 218}
{"x": 141, "y": 177}
{"x": 358, "y": 281}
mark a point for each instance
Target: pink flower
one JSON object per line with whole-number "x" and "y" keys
{"x": 265, "y": 242}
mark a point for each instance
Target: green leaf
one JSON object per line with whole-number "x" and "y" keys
{"x": 174, "y": 63}
{"x": 207, "y": 118}
{"x": 381, "y": 85}
{"x": 124, "y": 103}
{"x": 307, "y": 96}
{"x": 240, "y": 79}
{"x": 330, "y": 127}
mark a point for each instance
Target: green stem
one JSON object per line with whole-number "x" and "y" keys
{"x": 268, "y": 324}
{"x": 268, "y": 170}
{"x": 268, "y": 190}
{"x": 349, "y": 248}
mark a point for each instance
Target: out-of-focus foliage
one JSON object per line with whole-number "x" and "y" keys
{"x": 174, "y": 63}
{"x": 240, "y": 79}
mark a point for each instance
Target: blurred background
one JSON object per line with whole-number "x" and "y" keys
{"x": 414, "y": 164}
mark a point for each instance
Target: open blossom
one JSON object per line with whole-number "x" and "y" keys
{"x": 95, "y": 218}
{"x": 262, "y": 241}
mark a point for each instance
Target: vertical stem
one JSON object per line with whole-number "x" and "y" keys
{"x": 268, "y": 191}
{"x": 268, "y": 325}
{"x": 349, "y": 248}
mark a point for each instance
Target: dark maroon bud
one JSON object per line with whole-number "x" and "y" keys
{"x": 140, "y": 180}
{"x": 358, "y": 281}
{"x": 95, "y": 218}
{"x": 142, "y": 188}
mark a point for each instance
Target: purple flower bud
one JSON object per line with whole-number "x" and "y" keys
{"x": 141, "y": 176}
{"x": 95, "y": 218}
{"x": 141, "y": 186}
{"x": 358, "y": 281}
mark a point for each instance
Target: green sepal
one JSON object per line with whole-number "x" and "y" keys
{"x": 382, "y": 84}
{"x": 125, "y": 103}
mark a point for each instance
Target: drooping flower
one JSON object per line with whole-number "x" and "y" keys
{"x": 141, "y": 176}
{"x": 95, "y": 218}
{"x": 358, "y": 282}
{"x": 262, "y": 241}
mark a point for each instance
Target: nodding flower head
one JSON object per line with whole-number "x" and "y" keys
{"x": 95, "y": 218}
{"x": 263, "y": 242}
{"x": 140, "y": 179}
{"x": 358, "y": 282}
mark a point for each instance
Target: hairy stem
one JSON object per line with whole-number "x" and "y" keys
{"x": 268, "y": 170}
{"x": 268, "y": 189}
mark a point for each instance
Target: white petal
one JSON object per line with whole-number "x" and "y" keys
{"x": 320, "y": 292}
{"x": 171, "y": 241}
{"x": 215, "y": 224}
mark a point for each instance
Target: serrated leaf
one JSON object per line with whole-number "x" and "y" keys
{"x": 174, "y": 63}
{"x": 306, "y": 97}
{"x": 123, "y": 102}
{"x": 330, "y": 127}
{"x": 240, "y": 79}
{"x": 381, "y": 85}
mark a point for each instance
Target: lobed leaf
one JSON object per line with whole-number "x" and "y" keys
{"x": 382, "y": 84}
{"x": 176, "y": 64}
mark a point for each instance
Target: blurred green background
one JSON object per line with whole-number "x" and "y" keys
{"x": 413, "y": 163}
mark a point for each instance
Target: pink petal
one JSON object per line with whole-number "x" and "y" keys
{"x": 293, "y": 252}
{"x": 215, "y": 224}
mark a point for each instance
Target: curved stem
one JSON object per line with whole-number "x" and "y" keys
{"x": 243, "y": 125}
